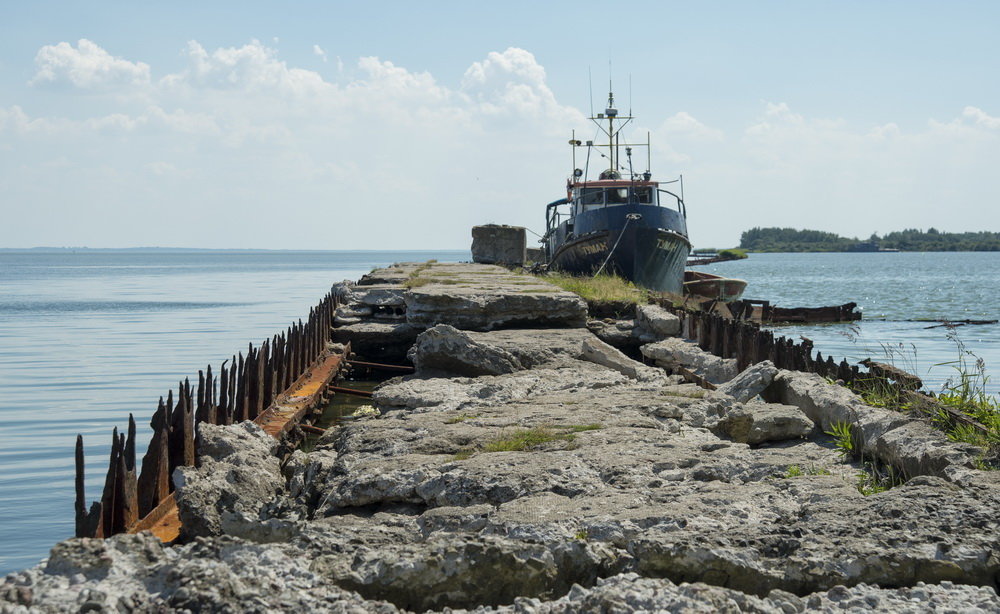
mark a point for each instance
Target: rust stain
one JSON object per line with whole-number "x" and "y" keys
{"x": 164, "y": 521}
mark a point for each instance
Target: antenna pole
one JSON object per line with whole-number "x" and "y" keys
{"x": 573, "y": 145}
{"x": 611, "y": 132}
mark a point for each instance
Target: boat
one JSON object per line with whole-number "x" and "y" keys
{"x": 715, "y": 287}
{"x": 622, "y": 223}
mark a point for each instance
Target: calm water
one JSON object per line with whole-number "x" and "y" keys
{"x": 890, "y": 288}
{"x": 86, "y": 338}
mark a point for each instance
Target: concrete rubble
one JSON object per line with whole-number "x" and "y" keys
{"x": 542, "y": 470}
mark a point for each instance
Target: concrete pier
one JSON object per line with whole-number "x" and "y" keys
{"x": 530, "y": 465}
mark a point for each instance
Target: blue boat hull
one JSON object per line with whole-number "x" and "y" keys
{"x": 651, "y": 251}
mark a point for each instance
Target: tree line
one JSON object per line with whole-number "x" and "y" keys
{"x": 909, "y": 240}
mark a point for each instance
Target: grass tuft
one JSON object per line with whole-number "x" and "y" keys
{"x": 600, "y": 288}
{"x": 843, "y": 438}
{"x": 465, "y": 454}
{"x": 734, "y": 253}
{"x": 526, "y": 439}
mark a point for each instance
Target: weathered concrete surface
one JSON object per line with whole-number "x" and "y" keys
{"x": 499, "y": 244}
{"x": 446, "y": 350}
{"x": 598, "y": 352}
{"x": 906, "y": 443}
{"x": 759, "y": 422}
{"x": 674, "y": 351}
{"x": 751, "y": 382}
{"x": 563, "y": 485}
{"x": 483, "y": 297}
{"x": 658, "y": 321}
{"x": 237, "y": 476}
{"x": 383, "y": 313}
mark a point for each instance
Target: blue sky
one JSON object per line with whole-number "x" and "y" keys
{"x": 342, "y": 125}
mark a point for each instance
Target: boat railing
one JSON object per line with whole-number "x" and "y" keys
{"x": 681, "y": 207}
{"x": 552, "y": 214}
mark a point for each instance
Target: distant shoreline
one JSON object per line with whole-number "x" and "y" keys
{"x": 909, "y": 240}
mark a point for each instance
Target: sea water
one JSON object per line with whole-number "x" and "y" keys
{"x": 898, "y": 292}
{"x": 87, "y": 337}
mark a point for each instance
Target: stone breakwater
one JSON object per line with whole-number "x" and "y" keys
{"x": 543, "y": 470}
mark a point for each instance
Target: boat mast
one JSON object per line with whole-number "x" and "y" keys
{"x": 611, "y": 112}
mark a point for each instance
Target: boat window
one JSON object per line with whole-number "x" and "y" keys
{"x": 617, "y": 196}
{"x": 592, "y": 196}
{"x": 644, "y": 195}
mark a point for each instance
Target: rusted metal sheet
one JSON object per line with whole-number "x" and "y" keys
{"x": 350, "y": 391}
{"x": 381, "y": 367}
{"x": 289, "y": 408}
{"x": 304, "y": 394}
{"x": 906, "y": 381}
{"x": 241, "y": 392}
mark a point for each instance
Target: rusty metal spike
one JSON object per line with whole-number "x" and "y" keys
{"x": 81, "y": 494}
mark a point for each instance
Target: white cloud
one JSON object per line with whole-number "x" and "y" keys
{"x": 252, "y": 67}
{"x": 240, "y": 140}
{"x": 981, "y": 118}
{"x": 513, "y": 83}
{"x": 318, "y": 51}
{"x": 86, "y": 66}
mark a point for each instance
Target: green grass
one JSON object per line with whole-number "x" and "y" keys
{"x": 522, "y": 440}
{"x": 843, "y": 438}
{"x": 734, "y": 253}
{"x": 600, "y": 288}
{"x": 526, "y": 439}
{"x": 965, "y": 393}
{"x": 875, "y": 479}
{"x": 461, "y": 418}
{"x": 795, "y": 471}
{"x": 415, "y": 282}
{"x": 462, "y": 455}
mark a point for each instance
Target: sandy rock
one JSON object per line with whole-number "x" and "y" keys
{"x": 563, "y": 486}
{"x": 486, "y": 297}
{"x": 751, "y": 382}
{"x": 380, "y": 295}
{"x": 756, "y": 423}
{"x": 535, "y": 347}
{"x": 906, "y": 443}
{"x": 447, "y": 350}
{"x": 675, "y": 351}
{"x": 238, "y": 474}
{"x": 601, "y": 353}
{"x": 657, "y": 321}
{"x": 137, "y": 573}
{"x": 440, "y": 394}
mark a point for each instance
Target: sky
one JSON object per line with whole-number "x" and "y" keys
{"x": 400, "y": 125}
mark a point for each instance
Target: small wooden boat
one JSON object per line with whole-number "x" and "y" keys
{"x": 714, "y": 287}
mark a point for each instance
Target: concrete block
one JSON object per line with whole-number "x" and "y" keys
{"x": 499, "y": 244}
